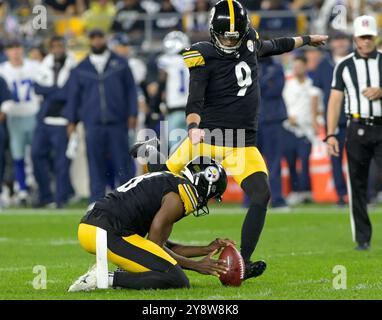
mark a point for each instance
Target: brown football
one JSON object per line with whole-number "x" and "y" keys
{"x": 235, "y": 274}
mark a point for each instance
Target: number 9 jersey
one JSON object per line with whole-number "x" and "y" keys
{"x": 224, "y": 88}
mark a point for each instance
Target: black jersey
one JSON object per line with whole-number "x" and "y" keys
{"x": 224, "y": 89}
{"x": 131, "y": 207}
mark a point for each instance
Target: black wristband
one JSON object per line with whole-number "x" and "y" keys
{"x": 328, "y": 136}
{"x": 305, "y": 40}
{"x": 192, "y": 125}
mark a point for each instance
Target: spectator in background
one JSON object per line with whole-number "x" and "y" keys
{"x": 37, "y": 53}
{"x": 184, "y": 6}
{"x": 201, "y": 16}
{"x": 340, "y": 46}
{"x": 172, "y": 20}
{"x": 173, "y": 84}
{"x": 99, "y": 15}
{"x": 20, "y": 75}
{"x": 120, "y": 44}
{"x": 325, "y": 14}
{"x": 127, "y": 20}
{"x": 102, "y": 94}
{"x": 197, "y": 21}
{"x": 286, "y": 23}
{"x": 270, "y": 132}
{"x": 313, "y": 58}
{"x": 3, "y": 57}
{"x": 50, "y": 138}
{"x": 4, "y": 96}
{"x": 251, "y": 5}
{"x": 299, "y": 133}
{"x": 61, "y": 7}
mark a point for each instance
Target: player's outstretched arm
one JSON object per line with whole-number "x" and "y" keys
{"x": 311, "y": 40}
{"x": 198, "y": 251}
{"x": 278, "y": 46}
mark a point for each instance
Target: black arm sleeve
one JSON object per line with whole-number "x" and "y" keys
{"x": 276, "y": 46}
{"x": 198, "y": 85}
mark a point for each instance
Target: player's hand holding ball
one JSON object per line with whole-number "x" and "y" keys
{"x": 210, "y": 266}
{"x": 218, "y": 244}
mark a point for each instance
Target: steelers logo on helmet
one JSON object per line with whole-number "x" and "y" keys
{"x": 212, "y": 174}
{"x": 209, "y": 179}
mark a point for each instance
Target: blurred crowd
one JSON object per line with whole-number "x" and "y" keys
{"x": 146, "y": 21}
{"x": 73, "y": 96}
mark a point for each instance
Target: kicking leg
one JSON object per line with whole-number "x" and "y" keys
{"x": 257, "y": 189}
{"x": 251, "y": 175}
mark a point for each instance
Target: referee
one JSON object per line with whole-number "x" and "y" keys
{"x": 358, "y": 78}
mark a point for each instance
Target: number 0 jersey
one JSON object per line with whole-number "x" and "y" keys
{"x": 131, "y": 208}
{"x": 224, "y": 89}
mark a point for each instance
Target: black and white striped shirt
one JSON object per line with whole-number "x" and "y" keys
{"x": 352, "y": 75}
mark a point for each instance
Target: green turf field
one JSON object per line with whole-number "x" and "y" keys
{"x": 301, "y": 249}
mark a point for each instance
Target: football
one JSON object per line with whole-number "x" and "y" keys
{"x": 235, "y": 274}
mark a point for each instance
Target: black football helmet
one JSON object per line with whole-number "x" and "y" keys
{"x": 209, "y": 179}
{"x": 228, "y": 20}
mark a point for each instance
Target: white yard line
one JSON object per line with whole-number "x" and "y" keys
{"x": 214, "y": 211}
{"x": 34, "y": 242}
{"x": 17, "y": 269}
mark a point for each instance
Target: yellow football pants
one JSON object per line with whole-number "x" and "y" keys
{"x": 132, "y": 253}
{"x": 240, "y": 162}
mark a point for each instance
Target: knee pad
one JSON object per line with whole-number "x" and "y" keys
{"x": 256, "y": 186}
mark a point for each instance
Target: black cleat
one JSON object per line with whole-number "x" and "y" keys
{"x": 363, "y": 246}
{"x": 140, "y": 147}
{"x": 254, "y": 269}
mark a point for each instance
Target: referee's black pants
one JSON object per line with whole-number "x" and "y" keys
{"x": 363, "y": 142}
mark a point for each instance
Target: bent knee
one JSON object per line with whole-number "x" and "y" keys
{"x": 256, "y": 186}
{"x": 179, "y": 278}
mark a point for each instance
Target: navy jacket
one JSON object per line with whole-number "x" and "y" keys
{"x": 322, "y": 78}
{"x": 102, "y": 99}
{"x": 272, "y": 79}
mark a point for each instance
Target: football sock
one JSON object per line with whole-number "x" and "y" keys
{"x": 20, "y": 174}
{"x": 251, "y": 229}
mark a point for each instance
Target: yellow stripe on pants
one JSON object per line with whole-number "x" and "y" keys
{"x": 87, "y": 239}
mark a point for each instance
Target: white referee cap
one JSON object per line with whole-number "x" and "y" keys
{"x": 365, "y": 26}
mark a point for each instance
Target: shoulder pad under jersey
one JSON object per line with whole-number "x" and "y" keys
{"x": 198, "y": 54}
